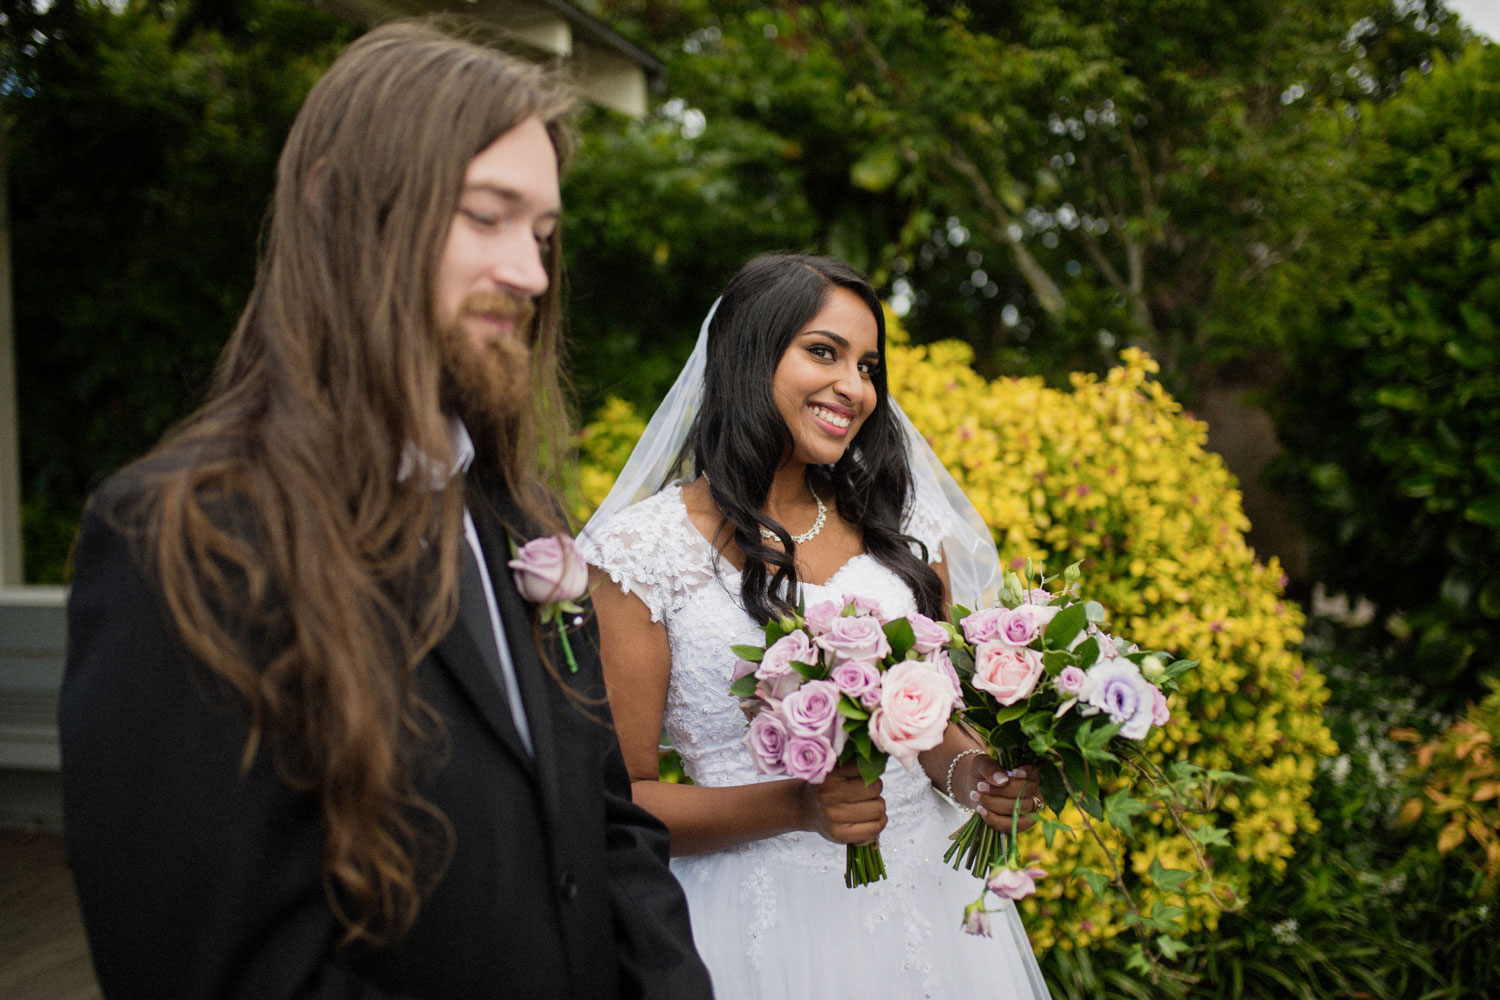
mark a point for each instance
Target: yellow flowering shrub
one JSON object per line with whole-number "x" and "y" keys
{"x": 1113, "y": 473}
{"x": 1461, "y": 793}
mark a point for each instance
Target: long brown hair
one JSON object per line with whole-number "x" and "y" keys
{"x": 347, "y": 569}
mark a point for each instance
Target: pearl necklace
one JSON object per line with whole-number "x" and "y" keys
{"x": 810, "y": 533}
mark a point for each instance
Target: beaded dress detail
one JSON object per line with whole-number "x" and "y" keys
{"x": 773, "y": 918}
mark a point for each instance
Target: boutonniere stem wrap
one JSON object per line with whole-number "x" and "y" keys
{"x": 550, "y": 573}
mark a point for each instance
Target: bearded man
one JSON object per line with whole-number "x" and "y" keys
{"x": 315, "y": 741}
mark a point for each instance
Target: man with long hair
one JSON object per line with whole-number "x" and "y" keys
{"x": 315, "y": 743}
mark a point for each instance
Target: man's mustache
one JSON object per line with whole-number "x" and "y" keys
{"x": 503, "y": 306}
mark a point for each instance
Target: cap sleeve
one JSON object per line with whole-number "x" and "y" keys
{"x": 650, "y": 550}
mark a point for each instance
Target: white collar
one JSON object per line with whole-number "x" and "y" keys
{"x": 437, "y": 477}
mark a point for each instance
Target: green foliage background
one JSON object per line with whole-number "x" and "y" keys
{"x": 1299, "y": 197}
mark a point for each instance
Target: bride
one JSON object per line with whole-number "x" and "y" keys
{"x": 806, "y": 482}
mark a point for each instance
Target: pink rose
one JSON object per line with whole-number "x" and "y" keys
{"x": 858, "y": 679}
{"x": 550, "y": 569}
{"x": 976, "y": 919}
{"x": 767, "y": 740}
{"x": 915, "y": 703}
{"x": 1018, "y": 628}
{"x": 779, "y": 656}
{"x": 929, "y": 635}
{"x": 1041, "y": 614}
{"x": 1069, "y": 681}
{"x": 865, "y": 605}
{"x": 741, "y": 668}
{"x": 940, "y": 660}
{"x": 1006, "y": 672}
{"x": 809, "y": 758}
{"x": 1014, "y": 883}
{"x": 856, "y": 638}
{"x": 982, "y": 626}
{"x": 820, "y": 616}
{"x": 1160, "y": 713}
{"x": 812, "y": 710}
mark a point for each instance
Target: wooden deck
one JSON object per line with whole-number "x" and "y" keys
{"x": 43, "y": 953}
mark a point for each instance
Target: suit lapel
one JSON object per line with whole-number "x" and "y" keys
{"x": 536, "y": 684}
{"x": 469, "y": 652}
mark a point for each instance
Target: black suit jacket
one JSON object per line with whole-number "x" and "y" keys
{"x": 196, "y": 880}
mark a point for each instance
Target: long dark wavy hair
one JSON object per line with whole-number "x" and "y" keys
{"x": 295, "y": 560}
{"x": 739, "y": 438}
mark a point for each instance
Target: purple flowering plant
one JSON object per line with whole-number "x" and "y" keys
{"x": 1045, "y": 685}
{"x": 839, "y": 682}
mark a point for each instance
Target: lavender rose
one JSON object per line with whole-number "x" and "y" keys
{"x": 856, "y": 638}
{"x": 550, "y": 569}
{"x": 976, "y": 919}
{"x": 809, "y": 758}
{"x": 812, "y": 710}
{"x": 821, "y": 616}
{"x": 983, "y": 626}
{"x": 1070, "y": 681}
{"x": 928, "y": 634}
{"x": 1006, "y": 672}
{"x": 777, "y": 661}
{"x": 767, "y": 740}
{"x": 859, "y": 679}
{"x": 1017, "y": 627}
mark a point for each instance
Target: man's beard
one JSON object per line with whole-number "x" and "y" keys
{"x": 488, "y": 386}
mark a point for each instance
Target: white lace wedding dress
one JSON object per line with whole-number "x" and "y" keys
{"x": 773, "y": 918}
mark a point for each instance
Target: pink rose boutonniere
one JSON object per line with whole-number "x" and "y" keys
{"x": 550, "y": 572}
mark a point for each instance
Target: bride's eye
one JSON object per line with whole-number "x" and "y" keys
{"x": 821, "y": 351}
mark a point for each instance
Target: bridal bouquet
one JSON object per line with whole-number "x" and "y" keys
{"x": 840, "y": 683}
{"x": 1045, "y": 684}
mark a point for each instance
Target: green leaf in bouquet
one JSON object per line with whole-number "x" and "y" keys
{"x": 1052, "y": 827}
{"x": 1053, "y": 661}
{"x": 1178, "y": 667}
{"x": 1087, "y": 651}
{"x": 1098, "y": 881}
{"x": 1075, "y": 769}
{"x": 744, "y": 687}
{"x": 1053, "y": 789}
{"x": 1168, "y": 879}
{"x": 956, "y": 615}
{"x": 1091, "y": 805}
{"x": 861, "y": 740}
{"x": 810, "y": 671}
{"x": 1065, "y": 626}
{"x": 1210, "y": 836}
{"x": 1093, "y": 738}
{"x": 1006, "y": 713}
{"x": 850, "y": 709}
{"x": 962, "y": 660}
{"x": 1093, "y": 611}
{"x": 776, "y": 628}
{"x": 871, "y": 767}
{"x": 1119, "y": 808}
{"x": 752, "y": 653}
{"x": 899, "y": 634}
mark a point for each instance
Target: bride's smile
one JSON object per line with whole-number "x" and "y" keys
{"x": 823, "y": 383}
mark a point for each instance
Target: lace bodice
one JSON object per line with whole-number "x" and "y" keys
{"x": 653, "y": 550}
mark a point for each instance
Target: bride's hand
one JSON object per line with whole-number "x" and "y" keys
{"x": 995, "y": 796}
{"x": 843, "y": 808}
